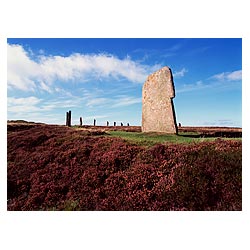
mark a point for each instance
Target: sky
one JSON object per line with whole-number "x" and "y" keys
{"x": 102, "y": 79}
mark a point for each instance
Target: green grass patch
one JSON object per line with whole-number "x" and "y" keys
{"x": 150, "y": 139}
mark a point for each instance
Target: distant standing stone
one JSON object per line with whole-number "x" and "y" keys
{"x": 69, "y": 118}
{"x": 158, "y": 113}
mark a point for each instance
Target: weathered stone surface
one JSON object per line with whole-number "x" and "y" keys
{"x": 158, "y": 113}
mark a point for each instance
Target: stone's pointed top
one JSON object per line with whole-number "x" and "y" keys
{"x": 165, "y": 68}
{"x": 163, "y": 72}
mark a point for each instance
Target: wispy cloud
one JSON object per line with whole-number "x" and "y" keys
{"x": 199, "y": 85}
{"x": 221, "y": 122}
{"x": 180, "y": 73}
{"x": 222, "y": 80}
{"x": 19, "y": 105}
{"x": 229, "y": 76}
{"x": 159, "y": 53}
{"x": 125, "y": 101}
{"x": 175, "y": 47}
{"x": 27, "y": 74}
{"x": 34, "y": 104}
{"x": 96, "y": 101}
{"x": 199, "y": 50}
{"x": 61, "y": 103}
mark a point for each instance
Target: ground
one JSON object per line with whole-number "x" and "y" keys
{"x": 54, "y": 167}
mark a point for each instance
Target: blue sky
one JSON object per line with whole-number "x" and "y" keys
{"x": 102, "y": 79}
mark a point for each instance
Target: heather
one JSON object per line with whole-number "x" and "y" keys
{"x": 60, "y": 168}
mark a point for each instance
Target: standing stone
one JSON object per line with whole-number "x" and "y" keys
{"x": 69, "y": 118}
{"x": 158, "y": 113}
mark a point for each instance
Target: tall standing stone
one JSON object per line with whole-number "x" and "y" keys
{"x": 158, "y": 113}
{"x": 69, "y": 119}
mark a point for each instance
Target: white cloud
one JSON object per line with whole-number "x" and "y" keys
{"x": 222, "y": 122}
{"x": 34, "y": 104}
{"x": 191, "y": 87}
{"x": 229, "y": 76}
{"x": 23, "y": 105}
{"x": 224, "y": 80}
{"x": 26, "y": 74}
{"x": 45, "y": 87}
{"x": 180, "y": 73}
{"x": 126, "y": 101}
{"x": 96, "y": 101}
{"x": 21, "y": 69}
{"x": 235, "y": 75}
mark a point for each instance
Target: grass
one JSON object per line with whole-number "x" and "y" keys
{"x": 150, "y": 139}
